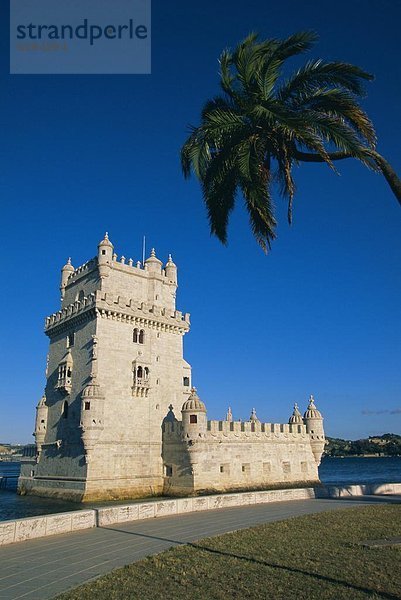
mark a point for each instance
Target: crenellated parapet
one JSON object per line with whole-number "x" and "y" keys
{"x": 114, "y": 306}
{"x": 82, "y": 271}
{"x": 255, "y": 429}
{"x": 241, "y": 430}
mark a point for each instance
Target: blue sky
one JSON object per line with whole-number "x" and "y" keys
{"x": 84, "y": 154}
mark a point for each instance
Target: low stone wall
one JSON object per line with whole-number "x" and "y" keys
{"x": 369, "y": 489}
{"x": 46, "y": 525}
{"x": 35, "y": 527}
{"x": 163, "y": 508}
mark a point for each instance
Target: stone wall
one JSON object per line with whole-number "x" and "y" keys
{"x": 236, "y": 456}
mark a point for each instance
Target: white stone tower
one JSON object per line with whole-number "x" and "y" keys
{"x": 115, "y": 365}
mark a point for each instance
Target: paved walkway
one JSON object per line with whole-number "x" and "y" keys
{"x": 41, "y": 569}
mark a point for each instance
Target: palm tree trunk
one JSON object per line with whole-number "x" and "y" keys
{"x": 390, "y": 175}
{"x": 387, "y": 170}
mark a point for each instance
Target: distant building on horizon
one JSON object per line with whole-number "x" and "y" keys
{"x": 106, "y": 427}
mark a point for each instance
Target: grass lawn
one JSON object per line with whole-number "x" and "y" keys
{"x": 311, "y": 557}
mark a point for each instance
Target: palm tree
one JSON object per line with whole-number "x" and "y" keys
{"x": 263, "y": 124}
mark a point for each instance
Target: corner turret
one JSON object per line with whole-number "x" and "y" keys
{"x": 171, "y": 270}
{"x": 105, "y": 256}
{"x": 296, "y": 417}
{"x": 40, "y": 424}
{"x": 153, "y": 264}
{"x": 314, "y": 427}
{"x": 65, "y": 273}
{"x": 253, "y": 418}
{"x": 92, "y": 407}
{"x": 194, "y": 422}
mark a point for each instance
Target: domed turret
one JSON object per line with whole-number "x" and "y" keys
{"x": 193, "y": 412}
{"x": 296, "y": 417}
{"x": 153, "y": 264}
{"x": 105, "y": 256}
{"x": 41, "y": 423}
{"x": 92, "y": 408}
{"x": 171, "y": 270}
{"x": 312, "y": 412}
{"x": 253, "y": 418}
{"x": 314, "y": 427}
{"x": 65, "y": 273}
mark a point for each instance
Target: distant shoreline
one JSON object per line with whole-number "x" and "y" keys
{"x": 363, "y": 456}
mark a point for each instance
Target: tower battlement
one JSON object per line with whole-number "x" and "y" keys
{"x": 243, "y": 429}
{"x": 119, "y": 307}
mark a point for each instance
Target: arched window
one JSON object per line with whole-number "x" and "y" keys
{"x": 141, "y": 337}
{"x": 135, "y": 336}
{"x": 65, "y": 410}
{"x": 146, "y": 373}
{"x": 139, "y": 372}
{"x": 81, "y": 296}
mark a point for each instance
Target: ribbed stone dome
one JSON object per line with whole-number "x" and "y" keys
{"x": 92, "y": 390}
{"x": 296, "y": 417}
{"x": 68, "y": 266}
{"x": 193, "y": 403}
{"x": 312, "y": 412}
{"x": 105, "y": 241}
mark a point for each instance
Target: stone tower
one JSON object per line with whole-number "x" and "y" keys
{"x": 115, "y": 365}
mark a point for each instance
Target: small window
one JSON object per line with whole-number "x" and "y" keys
{"x": 70, "y": 340}
{"x": 135, "y": 336}
{"x": 65, "y": 410}
{"x": 252, "y": 426}
{"x": 87, "y": 405}
{"x": 221, "y": 468}
{"x": 169, "y": 470}
{"x": 157, "y": 381}
{"x": 225, "y": 468}
{"x": 81, "y": 296}
{"x": 193, "y": 418}
{"x": 157, "y": 358}
{"x": 139, "y": 372}
{"x": 246, "y": 468}
{"x": 103, "y": 252}
{"x": 141, "y": 338}
{"x": 186, "y": 381}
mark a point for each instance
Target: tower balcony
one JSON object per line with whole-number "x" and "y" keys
{"x": 141, "y": 387}
{"x": 64, "y": 385}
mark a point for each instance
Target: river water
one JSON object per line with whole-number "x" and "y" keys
{"x": 341, "y": 471}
